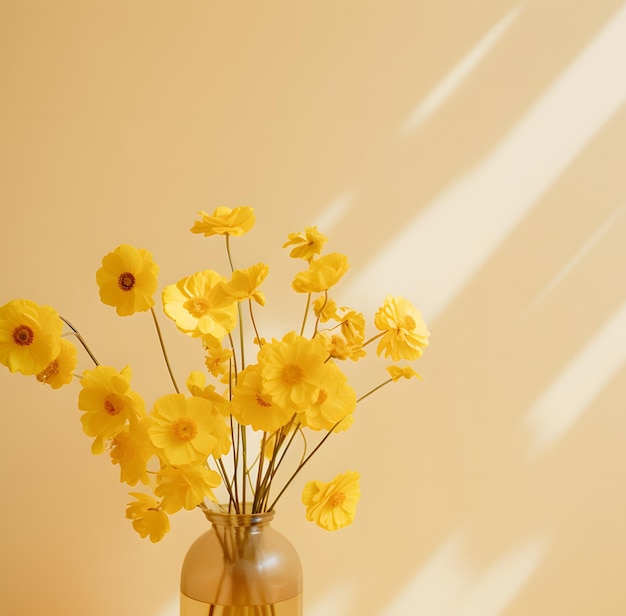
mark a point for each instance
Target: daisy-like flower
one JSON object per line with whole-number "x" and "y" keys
{"x": 225, "y": 221}
{"x": 252, "y": 407}
{"x": 244, "y": 284}
{"x": 405, "y": 334}
{"x": 30, "y": 336}
{"x": 185, "y": 487}
{"x": 197, "y": 306}
{"x": 402, "y": 372}
{"x": 332, "y": 505}
{"x": 109, "y": 403}
{"x": 131, "y": 449}
{"x": 307, "y": 244}
{"x": 335, "y": 401}
{"x": 291, "y": 370}
{"x": 148, "y": 517}
{"x": 183, "y": 429}
{"x": 323, "y": 273}
{"x": 60, "y": 371}
{"x": 128, "y": 280}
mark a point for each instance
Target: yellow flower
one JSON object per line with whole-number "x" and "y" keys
{"x": 335, "y": 401}
{"x": 148, "y": 517}
{"x": 183, "y": 428}
{"x": 406, "y": 372}
{"x": 244, "y": 284}
{"x": 30, "y": 336}
{"x": 60, "y": 371}
{"x": 322, "y": 274}
{"x": 185, "y": 487}
{"x": 128, "y": 280}
{"x": 225, "y": 221}
{"x": 290, "y": 370}
{"x": 405, "y": 332}
{"x": 252, "y": 407}
{"x": 307, "y": 244}
{"x": 332, "y": 505}
{"x": 218, "y": 358}
{"x": 325, "y": 308}
{"x": 353, "y": 326}
{"x": 337, "y": 347}
{"x": 109, "y": 403}
{"x": 131, "y": 449}
{"x": 198, "y": 308}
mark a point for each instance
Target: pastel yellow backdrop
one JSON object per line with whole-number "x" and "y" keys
{"x": 467, "y": 155}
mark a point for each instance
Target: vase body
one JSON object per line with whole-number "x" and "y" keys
{"x": 241, "y": 567}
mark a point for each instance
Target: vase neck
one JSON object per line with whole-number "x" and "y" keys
{"x": 239, "y": 520}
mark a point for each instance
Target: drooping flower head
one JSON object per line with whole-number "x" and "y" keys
{"x": 30, "y": 336}
{"x": 109, "y": 404}
{"x": 60, "y": 371}
{"x": 332, "y": 505}
{"x": 149, "y": 519}
{"x": 128, "y": 280}
{"x": 291, "y": 369}
{"x": 131, "y": 449}
{"x": 323, "y": 273}
{"x": 405, "y": 334}
{"x": 183, "y": 429}
{"x": 197, "y": 306}
{"x": 402, "y": 372}
{"x": 307, "y": 244}
{"x": 244, "y": 284}
{"x": 225, "y": 221}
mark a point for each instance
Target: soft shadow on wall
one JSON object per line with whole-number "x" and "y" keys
{"x": 468, "y": 158}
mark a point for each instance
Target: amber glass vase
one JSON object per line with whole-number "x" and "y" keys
{"x": 241, "y": 567}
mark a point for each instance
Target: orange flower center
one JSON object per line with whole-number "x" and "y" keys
{"x": 197, "y": 306}
{"x": 337, "y": 499}
{"x": 185, "y": 429}
{"x": 292, "y": 374}
{"x": 261, "y": 402}
{"x": 51, "y": 370}
{"x": 23, "y": 335}
{"x": 113, "y": 405}
{"x": 126, "y": 281}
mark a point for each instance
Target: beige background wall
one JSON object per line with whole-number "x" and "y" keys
{"x": 469, "y": 155}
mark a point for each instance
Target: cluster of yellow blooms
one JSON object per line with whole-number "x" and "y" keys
{"x": 187, "y": 445}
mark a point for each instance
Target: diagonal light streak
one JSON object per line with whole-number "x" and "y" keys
{"x": 461, "y": 228}
{"x": 582, "y": 379}
{"x": 453, "y": 80}
{"x": 577, "y": 258}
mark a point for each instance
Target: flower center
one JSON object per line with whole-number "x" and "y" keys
{"x": 261, "y": 402}
{"x": 51, "y": 370}
{"x": 113, "y": 405}
{"x": 126, "y": 281}
{"x": 185, "y": 429}
{"x": 337, "y": 499}
{"x": 292, "y": 374}
{"x": 197, "y": 306}
{"x": 23, "y": 335}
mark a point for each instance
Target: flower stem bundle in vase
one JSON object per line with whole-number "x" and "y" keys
{"x": 254, "y": 401}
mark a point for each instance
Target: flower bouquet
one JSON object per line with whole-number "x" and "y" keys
{"x": 235, "y": 430}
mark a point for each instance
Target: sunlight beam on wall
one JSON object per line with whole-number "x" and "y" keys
{"x": 565, "y": 400}
{"x": 453, "y": 80}
{"x": 459, "y": 230}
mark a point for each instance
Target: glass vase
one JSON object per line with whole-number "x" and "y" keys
{"x": 241, "y": 567}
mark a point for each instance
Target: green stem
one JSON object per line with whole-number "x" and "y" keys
{"x": 167, "y": 361}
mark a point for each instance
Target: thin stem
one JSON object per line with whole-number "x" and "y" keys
{"x": 376, "y": 337}
{"x": 76, "y": 333}
{"x": 306, "y": 313}
{"x": 167, "y": 361}
{"x": 371, "y": 391}
{"x": 256, "y": 331}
